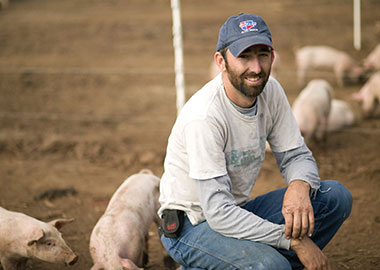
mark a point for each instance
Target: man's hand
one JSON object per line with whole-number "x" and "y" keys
{"x": 297, "y": 210}
{"x": 309, "y": 254}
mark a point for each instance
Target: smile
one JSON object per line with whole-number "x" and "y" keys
{"x": 254, "y": 79}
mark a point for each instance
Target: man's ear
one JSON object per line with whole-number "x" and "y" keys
{"x": 273, "y": 56}
{"x": 219, "y": 61}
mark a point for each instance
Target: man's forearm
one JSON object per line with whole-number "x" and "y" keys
{"x": 229, "y": 219}
{"x": 298, "y": 164}
{"x": 309, "y": 254}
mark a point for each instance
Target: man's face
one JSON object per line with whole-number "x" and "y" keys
{"x": 249, "y": 72}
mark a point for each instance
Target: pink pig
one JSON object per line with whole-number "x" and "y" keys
{"x": 341, "y": 115}
{"x": 372, "y": 61}
{"x": 369, "y": 95}
{"x": 119, "y": 239}
{"x": 312, "y": 107}
{"x": 23, "y": 237}
{"x": 311, "y": 58}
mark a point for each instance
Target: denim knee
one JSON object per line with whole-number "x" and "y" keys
{"x": 256, "y": 256}
{"x": 340, "y": 197}
{"x": 271, "y": 262}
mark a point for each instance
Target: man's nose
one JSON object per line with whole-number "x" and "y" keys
{"x": 255, "y": 65}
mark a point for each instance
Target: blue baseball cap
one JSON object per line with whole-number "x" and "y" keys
{"x": 243, "y": 31}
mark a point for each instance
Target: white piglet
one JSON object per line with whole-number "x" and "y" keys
{"x": 119, "y": 238}
{"x": 372, "y": 61}
{"x": 340, "y": 116}
{"x": 369, "y": 95}
{"x": 312, "y": 58}
{"x": 23, "y": 237}
{"x": 312, "y": 107}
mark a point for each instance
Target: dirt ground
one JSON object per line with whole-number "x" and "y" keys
{"x": 87, "y": 98}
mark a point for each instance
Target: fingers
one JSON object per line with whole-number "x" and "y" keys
{"x": 288, "y": 225}
{"x": 311, "y": 224}
{"x": 298, "y": 225}
{"x": 305, "y": 225}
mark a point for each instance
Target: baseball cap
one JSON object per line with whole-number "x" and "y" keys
{"x": 243, "y": 31}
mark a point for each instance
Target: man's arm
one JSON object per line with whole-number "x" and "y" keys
{"x": 299, "y": 164}
{"x": 309, "y": 254}
{"x": 226, "y": 217}
{"x": 300, "y": 171}
{"x": 297, "y": 210}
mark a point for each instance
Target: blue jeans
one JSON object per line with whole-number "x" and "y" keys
{"x": 201, "y": 248}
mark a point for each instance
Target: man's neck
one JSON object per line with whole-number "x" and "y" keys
{"x": 236, "y": 97}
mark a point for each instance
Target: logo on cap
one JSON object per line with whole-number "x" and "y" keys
{"x": 247, "y": 26}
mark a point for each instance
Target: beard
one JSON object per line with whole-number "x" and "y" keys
{"x": 238, "y": 81}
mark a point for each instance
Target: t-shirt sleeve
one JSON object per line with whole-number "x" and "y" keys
{"x": 299, "y": 164}
{"x": 204, "y": 145}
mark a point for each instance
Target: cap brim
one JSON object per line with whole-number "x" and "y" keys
{"x": 239, "y": 46}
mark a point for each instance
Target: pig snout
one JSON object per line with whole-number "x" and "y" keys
{"x": 71, "y": 260}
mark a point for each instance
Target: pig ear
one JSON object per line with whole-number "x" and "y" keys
{"x": 35, "y": 236}
{"x": 59, "y": 223}
{"x": 129, "y": 265}
{"x": 357, "y": 96}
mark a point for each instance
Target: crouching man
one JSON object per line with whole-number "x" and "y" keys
{"x": 214, "y": 155}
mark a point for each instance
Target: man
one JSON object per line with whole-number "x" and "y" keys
{"x": 214, "y": 155}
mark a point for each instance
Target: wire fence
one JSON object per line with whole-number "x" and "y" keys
{"x": 132, "y": 70}
{"x": 67, "y": 117}
{"x": 97, "y": 70}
